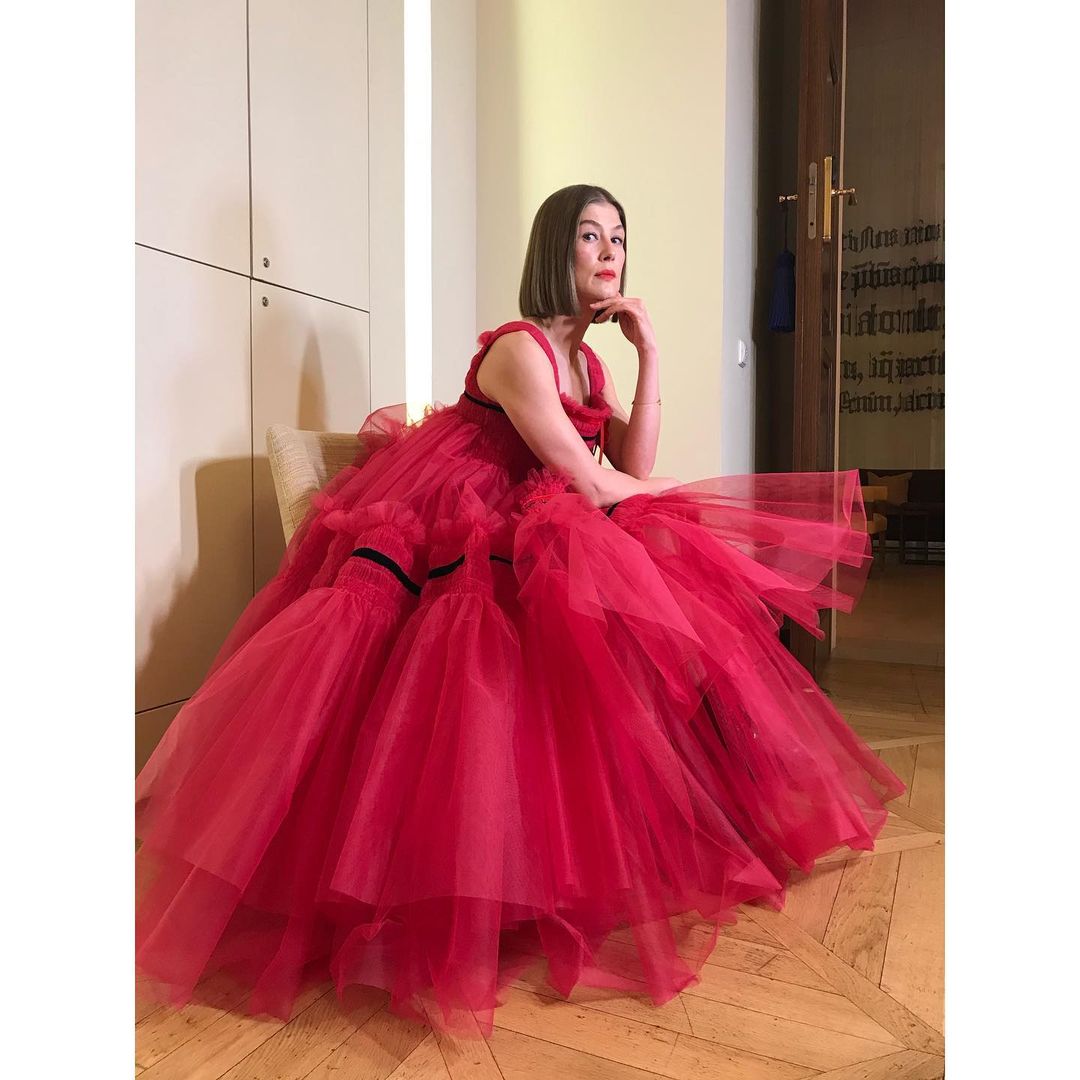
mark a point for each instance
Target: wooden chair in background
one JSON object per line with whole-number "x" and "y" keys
{"x": 301, "y": 463}
{"x": 876, "y": 522}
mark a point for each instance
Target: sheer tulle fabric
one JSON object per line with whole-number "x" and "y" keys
{"x": 522, "y": 724}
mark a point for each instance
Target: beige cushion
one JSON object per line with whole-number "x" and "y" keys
{"x": 897, "y": 485}
{"x": 301, "y": 463}
{"x": 878, "y": 523}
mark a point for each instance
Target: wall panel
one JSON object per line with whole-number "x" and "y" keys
{"x": 193, "y": 547}
{"x": 191, "y": 139}
{"x": 309, "y": 147}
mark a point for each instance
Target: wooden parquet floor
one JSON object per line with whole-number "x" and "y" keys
{"x": 847, "y": 983}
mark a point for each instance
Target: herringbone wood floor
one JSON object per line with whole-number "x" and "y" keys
{"x": 845, "y": 984}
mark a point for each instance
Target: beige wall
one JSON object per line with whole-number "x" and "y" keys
{"x": 632, "y": 98}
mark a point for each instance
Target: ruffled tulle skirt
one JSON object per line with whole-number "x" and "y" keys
{"x": 475, "y": 721}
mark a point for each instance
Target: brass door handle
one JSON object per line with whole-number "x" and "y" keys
{"x": 826, "y": 232}
{"x": 848, "y": 191}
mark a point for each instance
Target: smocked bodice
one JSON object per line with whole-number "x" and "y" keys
{"x": 588, "y": 418}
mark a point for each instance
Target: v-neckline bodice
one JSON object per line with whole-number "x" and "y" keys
{"x": 588, "y": 383}
{"x": 583, "y": 349}
{"x": 594, "y": 410}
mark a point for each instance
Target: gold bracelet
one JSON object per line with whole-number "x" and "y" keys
{"x": 656, "y": 402}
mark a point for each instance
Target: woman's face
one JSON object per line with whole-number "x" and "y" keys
{"x": 598, "y": 253}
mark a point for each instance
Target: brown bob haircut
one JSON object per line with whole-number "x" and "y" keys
{"x": 547, "y": 280}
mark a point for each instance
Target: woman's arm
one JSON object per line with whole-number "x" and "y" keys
{"x": 631, "y": 440}
{"x": 634, "y": 437}
{"x": 516, "y": 374}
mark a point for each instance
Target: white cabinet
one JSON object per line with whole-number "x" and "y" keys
{"x": 309, "y": 147}
{"x": 191, "y": 137}
{"x": 193, "y": 546}
{"x": 252, "y": 182}
{"x": 310, "y": 370}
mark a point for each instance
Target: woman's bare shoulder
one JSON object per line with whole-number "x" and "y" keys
{"x": 514, "y": 357}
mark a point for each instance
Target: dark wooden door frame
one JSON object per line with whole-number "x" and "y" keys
{"x": 817, "y": 263}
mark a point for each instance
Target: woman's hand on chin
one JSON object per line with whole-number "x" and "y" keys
{"x": 634, "y": 319}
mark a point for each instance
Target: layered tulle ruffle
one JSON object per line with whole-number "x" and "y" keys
{"x": 476, "y": 722}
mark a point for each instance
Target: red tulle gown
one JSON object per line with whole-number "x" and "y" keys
{"x": 474, "y": 721}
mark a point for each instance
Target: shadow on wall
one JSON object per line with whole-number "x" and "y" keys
{"x": 234, "y": 555}
{"x": 182, "y": 642}
{"x": 311, "y": 394}
{"x": 297, "y": 395}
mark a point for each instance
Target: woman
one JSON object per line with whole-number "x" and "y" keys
{"x": 563, "y": 300}
{"x": 499, "y": 701}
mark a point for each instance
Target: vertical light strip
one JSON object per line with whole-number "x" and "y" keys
{"x": 417, "y": 153}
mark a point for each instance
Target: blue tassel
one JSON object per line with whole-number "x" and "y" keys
{"x": 782, "y": 309}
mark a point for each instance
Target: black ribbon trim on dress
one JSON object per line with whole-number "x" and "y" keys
{"x": 499, "y": 408}
{"x": 441, "y": 571}
{"x": 486, "y": 404}
{"x": 611, "y": 507}
{"x": 436, "y": 571}
{"x": 393, "y": 567}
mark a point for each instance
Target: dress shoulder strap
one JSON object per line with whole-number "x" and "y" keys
{"x": 489, "y": 336}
